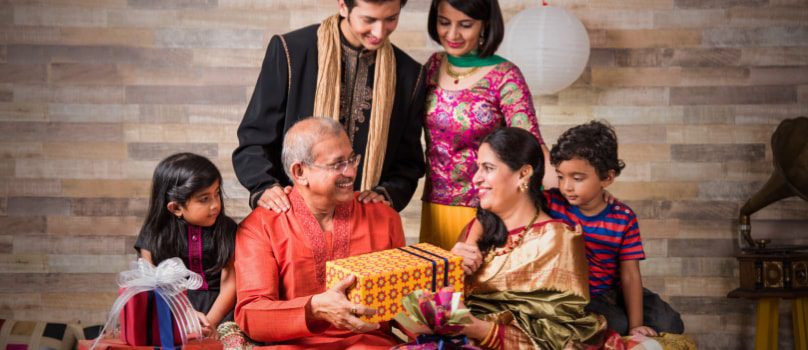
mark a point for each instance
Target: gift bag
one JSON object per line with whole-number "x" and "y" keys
{"x": 146, "y": 321}
{"x": 153, "y": 307}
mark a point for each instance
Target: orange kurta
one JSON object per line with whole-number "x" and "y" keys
{"x": 280, "y": 264}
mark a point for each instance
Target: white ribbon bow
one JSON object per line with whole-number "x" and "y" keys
{"x": 168, "y": 280}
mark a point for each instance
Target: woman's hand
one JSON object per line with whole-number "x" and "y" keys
{"x": 333, "y": 307}
{"x": 477, "y": 329}
{"x": 472, "y": 258}
{"x": 276, "y": 198}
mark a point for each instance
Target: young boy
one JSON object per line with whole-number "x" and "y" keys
{"x": 585, "y": 158}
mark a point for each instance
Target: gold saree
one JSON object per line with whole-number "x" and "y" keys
{"x": 539, "y": 291}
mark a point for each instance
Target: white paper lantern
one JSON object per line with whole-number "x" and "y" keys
{"x": 550, "y": 46}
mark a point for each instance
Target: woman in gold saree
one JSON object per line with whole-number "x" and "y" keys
{"x": 527, "y": 284}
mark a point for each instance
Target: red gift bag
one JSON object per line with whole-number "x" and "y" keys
{"x": 141, "y": 325}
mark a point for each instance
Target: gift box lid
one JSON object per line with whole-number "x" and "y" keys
{"x": 394, "y": 261}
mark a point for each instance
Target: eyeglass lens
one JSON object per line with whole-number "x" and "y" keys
{"x": 343, "y": 165}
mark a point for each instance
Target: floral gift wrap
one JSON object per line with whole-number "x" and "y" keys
{"x": 384, "y": 278}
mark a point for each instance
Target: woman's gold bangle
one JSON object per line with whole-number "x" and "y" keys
{"x": 491, "y": 340}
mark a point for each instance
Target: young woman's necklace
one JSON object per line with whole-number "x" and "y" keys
{"x": 459, "y": 75}
{"x": 512, "y": 242}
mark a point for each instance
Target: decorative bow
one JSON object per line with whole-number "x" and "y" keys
{"x": 168, "y": 281}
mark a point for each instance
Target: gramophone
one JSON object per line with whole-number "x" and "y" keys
{"x": 773, "y": 268}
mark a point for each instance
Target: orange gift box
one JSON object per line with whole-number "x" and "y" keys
{"x": 384, "y": 278}
{"x": 118, "y": 344}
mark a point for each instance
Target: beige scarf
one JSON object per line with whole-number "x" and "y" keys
{"x": 326, "y": 98}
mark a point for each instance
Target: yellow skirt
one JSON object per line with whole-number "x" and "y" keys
{"x": 442, "y": 224}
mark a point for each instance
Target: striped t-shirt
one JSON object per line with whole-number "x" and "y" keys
{"x": 611, "y": 236}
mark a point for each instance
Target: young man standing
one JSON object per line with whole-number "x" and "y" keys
{"x": 343, "y": 68}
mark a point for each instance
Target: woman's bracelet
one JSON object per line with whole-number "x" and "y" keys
{"x": 492, "y": 339}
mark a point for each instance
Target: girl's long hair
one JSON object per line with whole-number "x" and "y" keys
{"x": 516, "y": 148}
{"x": 176, "y": 179}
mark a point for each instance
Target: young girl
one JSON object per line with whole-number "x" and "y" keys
{"x": 186, "y": 219}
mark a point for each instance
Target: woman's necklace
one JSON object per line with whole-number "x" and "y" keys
{"x": 511, "y": 243}
{"x": 459, "y": 75}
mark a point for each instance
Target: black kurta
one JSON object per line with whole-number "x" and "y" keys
{"x": 284, "y": 94}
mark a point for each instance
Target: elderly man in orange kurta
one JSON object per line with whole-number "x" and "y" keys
{"x": 280, "y": 257}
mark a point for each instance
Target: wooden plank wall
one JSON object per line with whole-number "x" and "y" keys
{"x": 93, "y": 93}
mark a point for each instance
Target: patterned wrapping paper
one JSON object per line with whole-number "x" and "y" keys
{"x": 384, "y": 278}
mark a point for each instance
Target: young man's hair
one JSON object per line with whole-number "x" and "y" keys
{"x": 352, "y": 3}
{"x": 595, "y": 142}
{"x": 482, "y": 10}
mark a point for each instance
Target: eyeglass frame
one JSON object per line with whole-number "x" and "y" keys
{"x": 352, "y": 161}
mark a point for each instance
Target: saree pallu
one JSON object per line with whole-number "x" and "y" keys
{"x": 539, "y": 290}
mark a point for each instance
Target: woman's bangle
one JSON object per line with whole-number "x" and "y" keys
{"x": 487, "y": 338}
{"x": 492, "y": 339}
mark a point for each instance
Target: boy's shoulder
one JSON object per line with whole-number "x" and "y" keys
{"x": 558, "y": 205}
{"x": 554, "y": 195}
{"x": 620, "y": 208}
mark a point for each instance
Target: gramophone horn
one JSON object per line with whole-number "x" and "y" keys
{"x": 775, "y": 189}
{"x": 790, "y": 177}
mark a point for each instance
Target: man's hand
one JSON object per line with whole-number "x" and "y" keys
{"x": 333, "y": 307}
{"x": 643, "y": 330}
{"x": 369, "y": 196}
{"x": 472, "y": 258}
{"x": 608, "y": 197}
{"x": 276, "y": 198}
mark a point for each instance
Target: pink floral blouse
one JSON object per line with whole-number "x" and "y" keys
{"x": 456, "y": 121}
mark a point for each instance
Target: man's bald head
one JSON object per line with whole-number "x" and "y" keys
{"x": 299, "y": 141}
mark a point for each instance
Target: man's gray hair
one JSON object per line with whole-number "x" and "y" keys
{"x": 300, "y": 139}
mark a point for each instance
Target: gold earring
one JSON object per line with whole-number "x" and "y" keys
{"x": 523, "y": 187}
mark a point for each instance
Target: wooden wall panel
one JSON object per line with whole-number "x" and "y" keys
{"x": 94, "y": 93}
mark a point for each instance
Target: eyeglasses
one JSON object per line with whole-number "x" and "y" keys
{"x": 341, "y": 166}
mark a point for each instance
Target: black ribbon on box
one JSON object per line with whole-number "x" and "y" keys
{"x": 434, "y": 265}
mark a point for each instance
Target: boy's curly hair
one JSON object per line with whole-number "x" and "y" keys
{"x": 595, "y": 142}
